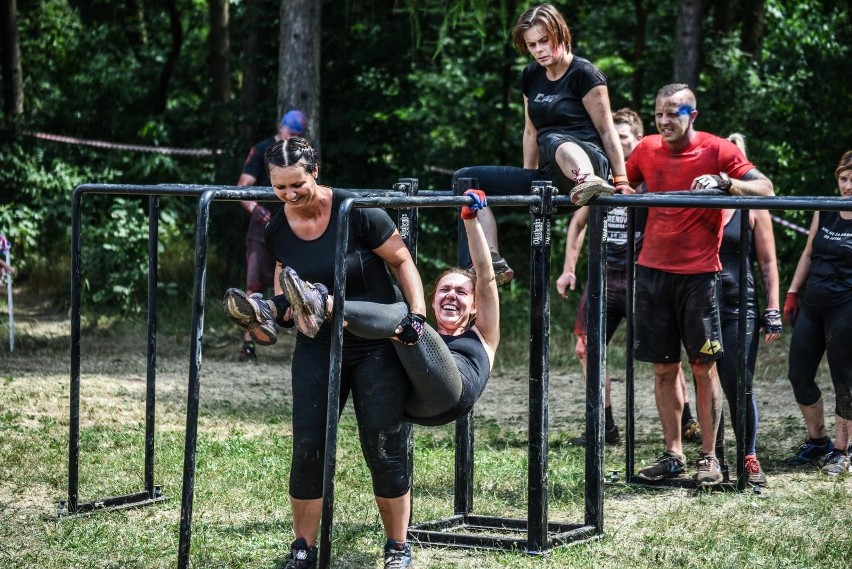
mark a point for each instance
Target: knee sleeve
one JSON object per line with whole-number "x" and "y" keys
{"x": 307, "y": 466}
{"x": 386, "y": 452}
{"x": 843, "y": 401}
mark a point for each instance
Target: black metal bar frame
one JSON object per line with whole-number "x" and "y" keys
{"x": 546, "y": 533}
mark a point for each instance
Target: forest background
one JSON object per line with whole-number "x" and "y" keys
{"x": 393, "y": 89}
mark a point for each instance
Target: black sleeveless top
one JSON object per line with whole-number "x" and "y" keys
{"x": 474, "y": 368}
{"x": 729, "y": 255}
{"x": 830, "y": 278}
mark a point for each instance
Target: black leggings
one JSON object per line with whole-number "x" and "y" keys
{"x": 822, "y": 330}
{"x": 435, "y": 383}
{"x": 727, "y": 367}
{"x": 372, "y": 373}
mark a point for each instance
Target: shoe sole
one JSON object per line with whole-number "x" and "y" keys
{"x": 305, "y": 318}
{"x": 241, "y": 311}
{"x": 585, "y": 194}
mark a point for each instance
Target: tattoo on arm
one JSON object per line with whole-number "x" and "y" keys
{"x": 753, "y": 174}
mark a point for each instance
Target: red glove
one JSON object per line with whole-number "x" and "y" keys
{"x": 479, "y": 202}
{"x": 791, "y": 307}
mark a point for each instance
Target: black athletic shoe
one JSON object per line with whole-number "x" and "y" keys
{"x": 301, "y": 556}
{"x": 307, "y": 300}
{"x": 253, "y": 314}
{"x": 668, "y": 465}
{"x": 503, "y": 273}
{"x": 809, "y": 453}
{"x": 611, "y": 437}
{"x": 247, "y": 353}
{"x": 397, "y": 555}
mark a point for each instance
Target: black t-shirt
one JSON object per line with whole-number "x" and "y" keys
{"x": 616, "y": 236}
{"x": 830, "y": 278}
{"x": 367, "y": 276}
{"x": 255, "y": 164}
{"x": 558, "y": 105}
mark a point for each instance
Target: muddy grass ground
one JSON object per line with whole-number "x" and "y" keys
{"x": 804, "y": 519}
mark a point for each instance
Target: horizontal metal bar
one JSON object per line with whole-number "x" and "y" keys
{"x": 690, "y": 199}
{"x": 136, "y": 500}
{"x": 558, "y": 533}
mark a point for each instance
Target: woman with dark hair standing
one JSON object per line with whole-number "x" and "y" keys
{"x": 303, "y": 236}
{"x": 821, "y": 325}
{"x": 569, "y": 136}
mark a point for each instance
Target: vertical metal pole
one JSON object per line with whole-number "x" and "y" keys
{"x": 743, "y": 390}
{"x": 537, "y": 500}
{"x": 406, "y": 223}
{"x": 595, "y": 367}
{"x": 629, "y": 432}
{"x": 151, "y": 394}
{"x": 74, "y": 395}
{"x": 199, "y": 285}
{"x": 464, "y": 434}
{"x": 335, "y": 370}
{"x": 461, "y": 186}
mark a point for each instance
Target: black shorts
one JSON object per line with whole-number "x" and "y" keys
{"x": 672, "y": 309}
{"x": 616, "y": 304}
{"x": 549, "y": 142}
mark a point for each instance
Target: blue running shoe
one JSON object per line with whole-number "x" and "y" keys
{"x": 810, "y": 453}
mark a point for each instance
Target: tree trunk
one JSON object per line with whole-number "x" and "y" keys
{"x": 299, "y": 62}
{"x": 160, "y": 95}
{"x": 254, "y": 126}
{"x": 10, "y": 60}
{"x": 636, "y": 90}
{"x": 753, "y": 26}
{"x": 724, "y": 15}
{"x": 687, "y": 60}
{"x": 220, "y": 68}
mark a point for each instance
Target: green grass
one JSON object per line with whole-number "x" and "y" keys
{"x": 241, "y": 516}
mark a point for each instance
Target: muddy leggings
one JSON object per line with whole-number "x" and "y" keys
{"x": 822, "y": 330}
{"x": 435, "y": 383}
{"x": 727, "y": 367}
{"x": 371, "y": 373}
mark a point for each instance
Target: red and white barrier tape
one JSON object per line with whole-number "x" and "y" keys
{"x": 134, "y": 147}
{"x": 785, "y": 223}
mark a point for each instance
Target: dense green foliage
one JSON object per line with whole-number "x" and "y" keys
{"x": 406, "y": 87}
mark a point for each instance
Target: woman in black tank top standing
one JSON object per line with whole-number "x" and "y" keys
{"x": 760, "y": 242}
{"x": 823, "y": 322}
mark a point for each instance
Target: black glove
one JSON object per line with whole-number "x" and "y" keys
{"x": 771, "y": 321}
{"x": 412, "y": 328}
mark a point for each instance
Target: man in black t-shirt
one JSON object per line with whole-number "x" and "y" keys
{"x": 260, "y": 263}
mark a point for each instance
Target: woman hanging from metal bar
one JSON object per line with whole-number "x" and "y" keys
{"x": 448, "y": 366}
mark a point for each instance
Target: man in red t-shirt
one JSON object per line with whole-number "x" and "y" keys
{"x": 678, "y": 274}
